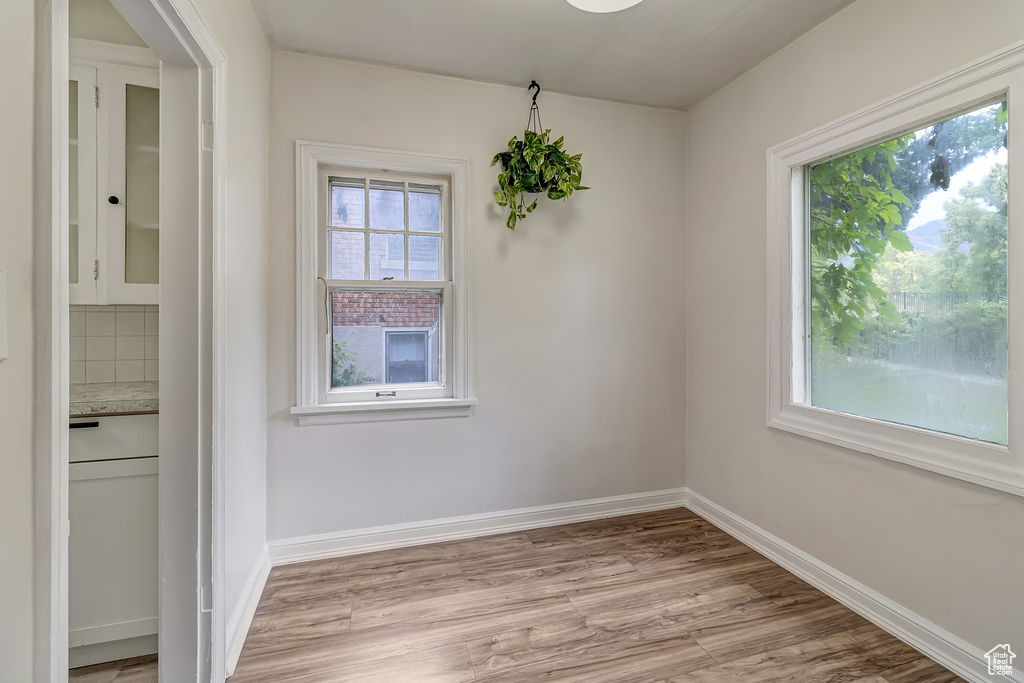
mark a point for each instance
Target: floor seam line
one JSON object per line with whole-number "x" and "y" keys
{"x": 469, "y": 654}
{"x": 574, "y": 607}
{"x": 713, "y": 658}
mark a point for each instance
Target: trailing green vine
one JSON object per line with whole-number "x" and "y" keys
{"x": 534, "y": 165}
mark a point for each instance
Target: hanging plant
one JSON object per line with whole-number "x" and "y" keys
{"x": 532, "y": 166}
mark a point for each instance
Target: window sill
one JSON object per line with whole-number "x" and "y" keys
{"x": 986, "y": 464}
{"x": 383, "y": 411}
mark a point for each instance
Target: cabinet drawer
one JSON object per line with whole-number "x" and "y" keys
{"x": 123, "y": 436}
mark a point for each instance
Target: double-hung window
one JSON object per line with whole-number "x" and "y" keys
{"x": 387, "y": 284}
{"x": 382, "y": 295}
{"x": 892, "y": 301}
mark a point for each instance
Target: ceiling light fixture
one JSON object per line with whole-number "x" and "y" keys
{"x": 603, "y": 6}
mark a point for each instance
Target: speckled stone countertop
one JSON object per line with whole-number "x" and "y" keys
{"x": 114, "y": 398}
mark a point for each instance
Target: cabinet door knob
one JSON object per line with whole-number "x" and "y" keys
{"x": 113, "y": 199}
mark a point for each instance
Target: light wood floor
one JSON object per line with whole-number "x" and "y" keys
{"x": 663, "y": 596}
{"x": 134, "y": 670}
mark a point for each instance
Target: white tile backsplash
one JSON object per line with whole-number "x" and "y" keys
{"x": 99, "y": 371}
{"x": 130, "y": 322}
{"x": 114, "y": 344}
{"x": 130, "y": 348}
{"x": 78, "y": 372}
{"x": 130, "y": 370}
{"x": 77, "y": 323}
{"x": 99, "y": 323}
{"x": 99, "y": 348}
{"x": 77, "y": 349}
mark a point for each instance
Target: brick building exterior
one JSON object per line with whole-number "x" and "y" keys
{"x": 385, "y": 309}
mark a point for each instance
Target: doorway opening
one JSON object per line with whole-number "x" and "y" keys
{"x": 128, "y": 211}
{"x": 113, "y": 279}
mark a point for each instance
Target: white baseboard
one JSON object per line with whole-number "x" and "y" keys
{"x": 241, "y": 616}
{"x": 105, "y": 633}
{"x": 113, "y": 650}
{"x": 949, "y": 650}
{"x": 303, "y": 548}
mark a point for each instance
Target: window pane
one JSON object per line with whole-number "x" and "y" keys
{"x": 407, "y": 347}
{"x": 387, "y": 256}
{"x": 348, "y": 204}
{"x": 348, "y": 255}
{"x": 406, "y": 357}
{"x": 424, "y": 252}
{"x": 425, "y": 210}
{"x": 387, "y": 206}
{"x": 908, "y": 278}
{"x": 385, "y": 337}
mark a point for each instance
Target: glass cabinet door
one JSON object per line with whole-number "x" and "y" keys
{"x": 132, "y": 208}
{"x": 82, "y": 184}
{"x": 142, "y": 189}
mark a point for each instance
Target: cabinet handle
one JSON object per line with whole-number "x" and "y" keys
{"x": 113, "y": 200}
{"x": 83, "y": 425}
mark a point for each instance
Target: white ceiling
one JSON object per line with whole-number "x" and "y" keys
{"x": 665, "y": 53}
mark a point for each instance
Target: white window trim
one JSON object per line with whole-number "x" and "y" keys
{"x": 991, "y": 465}
{"x": 309, "y": 408}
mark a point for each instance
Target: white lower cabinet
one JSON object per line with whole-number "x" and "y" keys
{"x": 113, "y": 571}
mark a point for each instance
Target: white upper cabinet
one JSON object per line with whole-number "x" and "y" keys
{"x": 114, "y": 175}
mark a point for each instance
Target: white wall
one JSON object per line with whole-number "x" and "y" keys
{"x": 944, "y": 548}
{"x": 16, "y": 373}
{"x": 246, "y": 101}
{"x": 577, "y": 336}
{"x": 98, "y": 20}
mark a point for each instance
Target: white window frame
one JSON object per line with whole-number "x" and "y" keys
{"x": 992, "y": 465}
{"x": 314, "y": 403}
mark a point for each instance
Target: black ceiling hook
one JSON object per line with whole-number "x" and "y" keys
{"x": 534, "y": 84}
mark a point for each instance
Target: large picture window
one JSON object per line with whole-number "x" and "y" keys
{"x": 907, "y": 269}
{"x": 894, "y": 308}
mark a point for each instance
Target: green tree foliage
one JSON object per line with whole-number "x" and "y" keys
{"x": 344, "y": 373}
{"x": 931, "y": 159}
{"x": 860, "y": 203}
{"x": 976, "y": 224}
{"x": 968, "y": 276}
{"x": 970, "y": 339}
{"x": 854, "y": 214}
{"x": 909, "y": 271}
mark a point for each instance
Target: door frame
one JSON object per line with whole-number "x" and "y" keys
{"x": 191, "y": 435}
